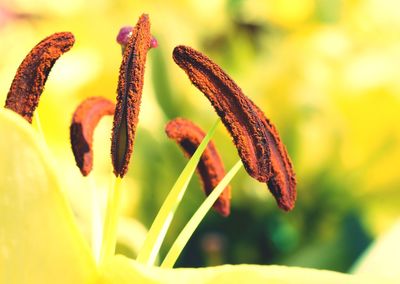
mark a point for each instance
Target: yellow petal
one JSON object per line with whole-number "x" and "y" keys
{"x": 39, "y": 241}
{"x": 383, "y": 257}
{"x": 121, "y": 270}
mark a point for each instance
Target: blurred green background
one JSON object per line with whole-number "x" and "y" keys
{"x": 326, "y": 72}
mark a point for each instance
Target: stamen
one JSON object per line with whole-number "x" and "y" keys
{"x": 31, "y": 76}
{"x": 130, "y": 87}
{"x": 258, "y": 143}
{"x": 84, "y": 121}
{"x": 282, "y": 183}
{"x": 210, "y": 168}
{"x": 148, "y": 253}
{"x": 111, "y": 220}
{"x": 232, "y": 106}
{"x": 197, "y": 217}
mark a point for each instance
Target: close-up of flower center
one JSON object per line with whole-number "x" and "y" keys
{"x": 44, "y": 236}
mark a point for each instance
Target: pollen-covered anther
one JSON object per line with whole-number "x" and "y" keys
{"x": 84, "y": 121}
{"x": 257, "y": 141}
{"x": 210, "y": 168}
{"x": 130, "y": 86}
{"x": 28, "y": 84}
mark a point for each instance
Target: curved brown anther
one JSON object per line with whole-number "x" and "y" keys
{"x": 130, "y": 87}
{"x": 256, "y": 139}
{"x": 282, "y": 183}
{"x": 210, "y": 168}
{"x": 31, "y": 76}
{"x": 84, "y": 121}
{"x": 237, "y": 114}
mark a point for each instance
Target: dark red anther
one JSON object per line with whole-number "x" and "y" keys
{"x": 210, "y": 168}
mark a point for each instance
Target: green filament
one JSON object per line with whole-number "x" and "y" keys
{"x": 111, "y": 221}
{"x": 159, "y": 228}
{"x": 198, "y": 216}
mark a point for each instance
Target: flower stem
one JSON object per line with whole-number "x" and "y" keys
{"x": 96, "y": 218}
{"x": 197, "y": 217}
{"x": 147, "y": 255}
{"x": 111, "y": 221}
{"x": 37, "y": 123}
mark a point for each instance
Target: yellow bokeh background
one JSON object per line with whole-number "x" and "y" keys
{"x": 325, "y": 72}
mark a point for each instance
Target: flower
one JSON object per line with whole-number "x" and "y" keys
{"x": 40, "y": 241}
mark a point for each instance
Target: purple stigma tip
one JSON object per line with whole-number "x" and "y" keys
{"x": 124, "y": 34}
{"x": 153, "y": 42}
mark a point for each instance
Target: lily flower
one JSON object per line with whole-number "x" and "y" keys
{"x": 39, "y": 239}
{"x": 41, "y": 243}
